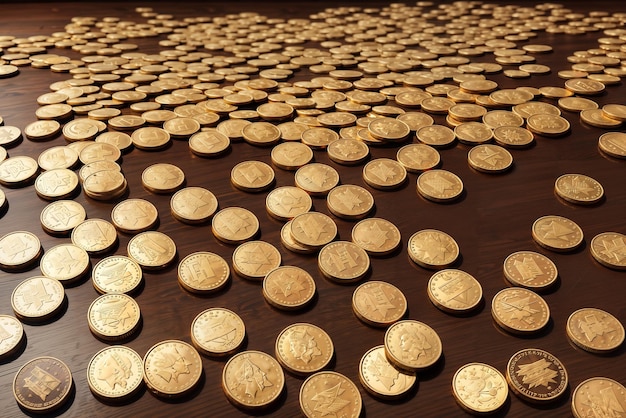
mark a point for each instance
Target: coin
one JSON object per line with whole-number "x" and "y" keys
{"x": 42, "y": 385}
{"x": 286, "y": 238}
{"x": 254, "y": 259}
{"x": 317, "y": 179}
{"x": 439, "y": 185}
{"x": 479, "y": 388}
{"x": 343, "y": 261}
{"x": 595, "y": 330}
{"x": 520, "y": 310}
{"x": 313, "y": 229}
{"x": 134, "y": 215}
{"x": 576, "y": 104}
{"x": 381, "y": 379}
{"x": 608, "y": 249}
{"x": 614, "y": 111}
{"x": 57, "y": 157}
{"x": 489, "y": 158}
{"x": 203, "y": 272}
{"x": 513, "y": 136}
{"x": 61, "y": 216}
{"x": 327, "y": 392}
{"x": 348, "y": 151}
{"x": 303, "y": 348}
{"x": 557, "y": 233}
{"x": 261, "y": 134}
{"x": 433, "y": 249}
{"x": 416, "y": 158}
{"x": 114, "y": 317}
{"x": 578, "y": 188}
{"x": 613, "y": 144}
{"x": 18, "y": 171}
{"x": 19, "y": 250}
{"x": 115, "y": 374}
{"x": 150, "y": 138}
{"x": 350, "y": 201}
{"x": 598, "y": 394}
{"x": 437, "y": 136}
{"x": 291, "y": 155}
{"x": 152, "y": 250}
{"x": 252, "y": 176}
{"x": 95, "y": 236}
{"x": 66, "y": 263}
{"x": 217, "y": 332}
{"x": 536, "y": 376}
{"x": 388, "y": 129}
{"x": 172, "y": 369}
{"x": 597, "y": 118}
{"x": 318, "y": 137}
{"x": 384, "y": 174}
{"x": 116, "y": 274}
{"x": 108, "y": 184}
{"x": 548, "y": 125}
{"x": 454, "y": 291}
{"x": 234, "y": 225}
{"x": 12, "y": 333}
{"x": 38, "y": 299}
{"x": 284, "y": 203}
{"x": 376, "y": 236}
{"x": 531, "y": 270}
{"x": 262, "y": 373}
{"x": 162, "y": 178}
{"x": 58, "y": 183}
{"x": 91, "y": 168}
{"x": 210, "y": 143}
{"x": 378, "y": 303}
{"x": 412, "y": 345}
{"x": 288, "y": 287}
{"x": 193, "y": 205}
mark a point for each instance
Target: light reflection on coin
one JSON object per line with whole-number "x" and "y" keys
{"x": 595, "y": 330}
{"x": 454, "y": 291}
{"x": 304, "y": 348}
{"x": 557, "y": 233}
{"x": 598, "y": 392}
{"x": 115, "y": 374}
{"x": 217, "y": 332}
{"x": 172, "y": 368}
{"x": 479, "y": 388}
{"x": 380, "y": 378}
{"x": 324, "y": 385}
{"x": 378, "y": 303}
{"x": 412, "y": 345}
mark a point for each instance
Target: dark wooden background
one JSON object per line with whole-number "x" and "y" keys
{"x": 492, "y": 220}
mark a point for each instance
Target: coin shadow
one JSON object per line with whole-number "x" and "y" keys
{"x": 529, "y": 336}
{"x": 4, "y": 209}
{"x": 300, "y": 310}
{"x": 433, "y": 371}
{"x": 211, "y": 294}
{"x": 80, "y": 280}
{"x": 188, "y": 396}
{"x": 17, "y": 351}
{"x": 57, "y": 412}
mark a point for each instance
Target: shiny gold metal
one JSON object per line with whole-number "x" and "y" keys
{"x": 303, "y": 348}
{"x": 162, "y": 178}
{"x": 595, "y": 330}
{"x": 152, "y": 250}
{"x": 252, "y": 176}
{"x": 254, "y": 259}
{"x": 343, "y": 262}
{"x": 116, "y": 274}
{"x": 412, "y": 345}
{"x": 608, "y": 248}
{"x": 489, "y": 158}
{"x": 172, "y": 369}
{"x": 433, "y": 249}
{"x": 203, "y": 272}
{"x": 378, "y": 303}
{"x": 381, "y": 379}
{"x": 557, "y": 233}
{"x": 598, "y": 392}
{"x": 38, "y": 299}
{"x": 61, "y": 216}
{"x": 95, "y": 236}
{"x": 454, "y": 291}
{"x": 536, "y": 376}
{"x": 134, "y": 215}
{"x": 480, "y": 388}
{"x": 43, "y": 385}
{"x": 579, "y": 189}
{"x": 288, "y": 287}
{"x": 520, "y": 310}
{"x": 19, "y": 250}
{"x": 66, "y": 263}
{"x": 317, "y": 179}
{"x": 193, "y": 205}
{"x": 114, "y": 317}
{"x": 531, "y": 270}
{"x": 350, "y": 201}
{"x": 313, "y": 230}
{"x": 234, "y": 225}
{"x": 384, "y": 174}
{"x": 115, "y": 374}
{"x": 439, "y": 185}
{"x": 217, "y": 332}
{"x": 344, "y": 395}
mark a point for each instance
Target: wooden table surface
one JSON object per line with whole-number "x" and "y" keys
{"x": 491, "y": 221}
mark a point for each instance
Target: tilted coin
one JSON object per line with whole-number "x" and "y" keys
{"x": 378, "y": 303}
{"x": 291, "y": 155}
{"x": 19, "y": 250}
{"x": 416, "y": 158}
{"x": 388, "y": 129}
{"x": 479, "y": 388}
{"x": 303, "y": 348}
{"x": 12, "y": 332}
{"x": 18, "y": 171}
{"x": 489, "y": 158}
{"x": 595, "y": 330}
{"x": 526, "y": 110}
{"x": 58, "y": 183}
{"x": 313, "y": 229}
{"x": 376, "y": 236}
{"x": 384, "y": 174}
{"x": 288, "y": 287}
{"x": 181, "y": 127}
{"x": 286, "y": 202}
{"x": 598, "y": 394}
{"x": 42, "y": 385}
{"x": 172, "y": 369}
{"x": 578, "y": 188}
{"x": 343, "y": 261}
{"x": 454, "y": 291}
{"x": 520, "y": 310}
{"x": 252, "y": 176}
{"x": 433, "y": 249}
{"x": 584, "y": 86}
{"x": 209, "y": 143}
{"x": 203, "y": 272}
{"x": 162, "y": 178}
{"x": 119, "y": 140}
{"x": 609, "y": 249}
{"x": 254, "y": 259}
{"x": 439, "y": 185}
{"x": 61, "y": 216}
{"x": 234, "y": 225}
{"x": 381, "y": 379}
{"x": 498, "y": 118}
{"x": 134, "y": 215}
{"x": 350, "y": 201}
{"x": 38, "y": 299}
{"x": 513, "y": 136}
{"x": 233, "y": 128}
{"x": 531, "y": 270}
{"x": 95, "y": 236}
{"x": 267, "y": 388}
{"x": 152, "y": 250}
{"x": 115, "y": 374}
{"x": 113, "y": 316}
{"x": 613, "y": 144}
{"x": 66, "y": 263}
{"x": 116, "y": 274}
{"x": 412, "y": 345}
{"x": 536, "y": 376}
{"x": 557, "y": 233}
{"x": 217, "y": 332}
{"x": 317, "y": 179}
{"x": 291, "y": 131}
{"x": 59, "y": 111}
{"x": 328, "y": 392}
{"x": 597, "y": 118}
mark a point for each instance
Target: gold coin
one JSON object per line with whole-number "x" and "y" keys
{"x": 376, "y": 236}
{"x": 436, "y": 105}
{"x": 473, "y": 133}
{"x": 343, "y": 261}
{"x": 275, "y": 111}
{"x": 576, "y": 104}
{"x": 608, "y": 249}
{"x": 8, "y": 70}
{"x": 288, "y": 287}
{"x": 234, "y": 225}
{"x": 152, "y": 250}
{"x": 614, "y": 111}
{"x": 526, "y": 110}
{"x": 313, "y": 229}
{"x": 479, "y": 388}
{"x": 557, "y": 233}
{"x": 59, "y": 111}
{"x": 108, "y": 184}
{"x": 416, "y": 120}
{"x": 466, "y": 112}
{"x": 598, "y": 392}
{"x": 350, "y": 201}
{"x": 303, "y": 348}
{"x": 19, "y": 250}
{"x": 66, "y": 263}
{"x": 378, "y": 303}
{"x": 384, "y": 174}
{"x": 613, "y": 144}
{"x": 38, "y": 299}
{"x": 95, "y": 236}
{"x": 60, "y": 217}
{"x": 150, "y": 138}
{"x": 291, "y": 131}
{"x": 18, "y": 171}
{"x": 134, "y": 215}
{"x": 531, "y": 270}
{"x": 42, "y": 385}
{"x": 597, "y": 118}
{"x": 578, "y": 188}
{"x": 217, "y": 332}
{"x": 9, "y": 136}
{"x": 115, "y": 374}
{"x": 58, "y": 183}
{"x": 319, "y": 137}
{"x": 114, "y": 317}
{"x": 489, "y": 158}
{"x": 57, "y": 157}
{"x": 162, "y": 178}
{"x": 286, "y": 202}
{"x": 91, "y": 168}
{"x": 291, "y": 155}
{"x": 116, "y": 274}
{"x": 595, "y": 330}
{"x": 203, "y": 272}
{"x": 412, "y": 345}
{"x": 210, "y": 143}
{"x": 119, "y": 140}
{"x": 338, "y": 120}
{"x": 439, "y": 185}
{"x": 267, "y": 388}
{"x": 261, "y": 134}
{"x": 510, "y": 97}
{"x": 381, "y": 379}
{"x": 584, "y": 86}
{"x": 513, "y": 136}
{"x": 254, "y": 259}
{"x": 536, "y": 376}
{"x": 252, "y": 176}
{"x": 317, "y": 179}
{"x": 520, "y": 310}
{"x": 317, "y": 388}
{"x": 42, "y": 129}
{"x": 416, "y": 158}
{"x": 555, "y": 92}
{"x": 193, "y": 205}
{"x": 13, "y": 336}
{"x": 454, "y": 291}
{"x": 181, "y": 127}
{"x": 233, "y": 128}
{"x": 82, "y": 129}
{"x": 172, "y": 369}
{"x": 497, "y": 118}
{"x": 433, "y": 249}
{"x": 286, "y": 238}
{"x": 388, "y": 129}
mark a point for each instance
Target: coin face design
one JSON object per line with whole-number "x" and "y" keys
{"x": 595, "y": 330}
{"x": 316, "y": 179}
{"x": 61, "y": 216}
{"x": 203, "y": 272}
{"x": 412, "y": 345}
{"x": 152, "y": 249}
{"x": 489, "y": 158}
{"x": 433, "y": 249}
{"x": 439, "y": 185}
{"x": 234, "y": 225}
{"x": 12, "y": 333}
{"x": 217, "y": 332}
{"x": 613, "y": 144}
{"x": 286, "y": 202}
{"x": 384, "y": 174}
{"x": 536, "y": 375}
{"x": 350, "y": 201}
{"x": 557, "y": 233}
{"x": 343, "y": 261}
{"x": 313, "y": 229}
{"x": 288, "y": 287}
{"x": 327, "y": 392}
{"x": 115, "y": 373}
{"x": 380, "y": 378}
{"x": 252, "y": 176}
{"x": 254, "y": 259}
{"x": 348, "y": 151}
{"x": 19, "y": 250}
{"x": 416, "y": 158}
{"x": 65, "y": 262}
{"x": 454, "y": 291}
{"x": 94, "y": 236}
{"x": 304, "y": 348}
{"x": 37, "y": 298}
{"x": 57, "y": 183}
{"x": 42, "y": 385}
{"x": 520, "y": 310}
{"x": 578, "y": 188}
{"x": 378, "y": 303}
{"x": 116, "y": 274}
{"x": 479, "y": 388}
{"x": 609, "y": 249}
{"x": 134, "y": 215}
{"x": 113, "y": 316}
{"x": 598, "y": 394}
{"x": 162, "y": 178}
{"x": 376, "y": 236}
{"x": 531, "y": 270}
{"x": 193, "y": 205}
{"x": 172, "y": 368}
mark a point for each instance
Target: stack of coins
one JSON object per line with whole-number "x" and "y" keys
{"x": 105, "y": 185}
